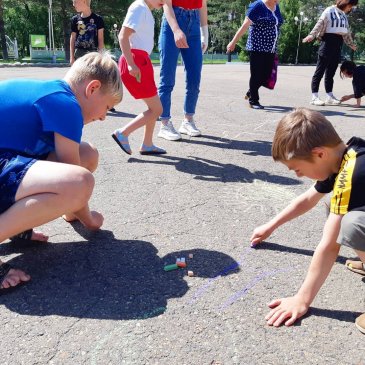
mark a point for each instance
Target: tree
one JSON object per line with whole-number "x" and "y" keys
{"x": 2, "y": 32}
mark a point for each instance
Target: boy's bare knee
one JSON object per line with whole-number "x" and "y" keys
{"x": 89, "y": 156}
{"x": 81, "y": 188}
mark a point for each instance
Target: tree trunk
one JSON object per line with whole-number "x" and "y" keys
{"x": 2, "y": 32}
{"x": 66, "y": 25}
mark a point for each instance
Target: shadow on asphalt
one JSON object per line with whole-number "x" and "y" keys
{"x": 278, "y": 108}
{"x": 209, "y": 170}
{"x": 121, "y": 114}
{"x": 329, "y": 113}
{"x": 250, "y": 148}
{"x": 343, "y": 316}
{"x": 300, "y": 251}
{"x": 104, "y": 278}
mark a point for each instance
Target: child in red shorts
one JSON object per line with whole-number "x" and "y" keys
{"x": 136, "y": 42}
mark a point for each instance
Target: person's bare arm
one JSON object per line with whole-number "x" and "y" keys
{"x": 124, "y": 35}
{"x": 101, "y": 39}
{"x": 288, "y": 310}
{"x": 179, "y": 36}
{"x": 240, "y": 32}
{"x": 204, "y": 31}
{"x": 72, "y": 47}
{"x": 300, "y": 205}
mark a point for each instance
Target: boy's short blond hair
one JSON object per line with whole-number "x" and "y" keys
{"x": 98, "y": 66}
{"x": 299, "y": 132}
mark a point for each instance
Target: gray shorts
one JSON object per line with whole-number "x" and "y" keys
{"x": 352, "y": 231}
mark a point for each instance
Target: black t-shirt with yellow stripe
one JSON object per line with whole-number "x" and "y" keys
{"x": 348, "y": 185}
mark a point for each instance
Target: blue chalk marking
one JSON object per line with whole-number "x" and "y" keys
{"x": 199, "y": 292}
{"x": 253, "y": 282}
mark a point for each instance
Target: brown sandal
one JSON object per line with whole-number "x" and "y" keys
{"x": 356, "y": 266}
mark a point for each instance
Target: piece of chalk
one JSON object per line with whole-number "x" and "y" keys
{"x": 191, "y": 255}
{"x": 171, "y": 267}
{"x": 190, "y": 273}
{"x": 181, "y": 264}
{"x": 350, "y": 265}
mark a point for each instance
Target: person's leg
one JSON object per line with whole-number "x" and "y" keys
{"x": 168, "y": 60}
{"x": 42, "y": 197}
{"x": 352, "y": 234}
{"x": 150, "y": 116}
{"x": 193, "y": 62}
{"x": 256, "y": 65}
{"x": 318, "y": 73}
{"x": 169, "y": 54}
{"x": 328, "y": 81}
{"x": 89, "y": 159}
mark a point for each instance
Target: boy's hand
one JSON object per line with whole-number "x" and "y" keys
{"x": 261, "y": 233}
{"x": 134, "y": 71}
{"x": 286, "y": 310}
{"x": 95, "y": 222}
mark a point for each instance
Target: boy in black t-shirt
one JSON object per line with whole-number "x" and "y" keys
{"x": 357, "y": 73}
{"x": 306, "y": 142}
{"x": 87, "y": 31}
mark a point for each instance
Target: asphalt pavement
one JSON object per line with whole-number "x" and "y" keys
{"x": 104, "y": 298}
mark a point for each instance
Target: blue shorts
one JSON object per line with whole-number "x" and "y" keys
{"x": 13, "y": 167}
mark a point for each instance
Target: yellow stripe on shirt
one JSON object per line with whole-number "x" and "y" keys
{"x": 342, "y": 188}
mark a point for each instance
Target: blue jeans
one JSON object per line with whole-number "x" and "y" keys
{"x": 189, "y": 22}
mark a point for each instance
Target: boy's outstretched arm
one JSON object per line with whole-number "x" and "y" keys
{"x": 288, "y": 310}
{"x": 297, "y": 207}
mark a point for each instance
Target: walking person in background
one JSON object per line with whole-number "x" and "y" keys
{"x": 136, "y": 70}
{"x": 263, "y": 20}
{"x": 332, "y": 29}
{"x": 184, "y": 29}
{"x": 87, "y": 31}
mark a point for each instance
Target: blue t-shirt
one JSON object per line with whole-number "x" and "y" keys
{"x": 264, "y": 31}
{"x": 33, "y": 110}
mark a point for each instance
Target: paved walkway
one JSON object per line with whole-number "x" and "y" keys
{"x": 104, "y": 298}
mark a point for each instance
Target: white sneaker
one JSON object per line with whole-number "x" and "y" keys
{"x": 331, "y": 100}
{"x": 169, "y": 132}
{"x": 189, "y": 128}
{"x": 317, "y": 101}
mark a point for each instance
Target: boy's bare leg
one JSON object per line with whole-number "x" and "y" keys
{"x": 43, "y": 197}
{"x": 153, "y": 112}
{"x": 147, "y": 118}
{"x": 89, "y": 158}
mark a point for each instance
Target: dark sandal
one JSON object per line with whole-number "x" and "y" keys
{"x": 151, "y": 150}
{"x": 4, "y": 270}
{"x": 25, "y": 236}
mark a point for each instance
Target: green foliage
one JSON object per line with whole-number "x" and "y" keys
{"x": 25, "y": 17}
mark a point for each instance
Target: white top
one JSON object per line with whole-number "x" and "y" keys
{"x": 139, "y": 18}
{"x": 336, "y": 20}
